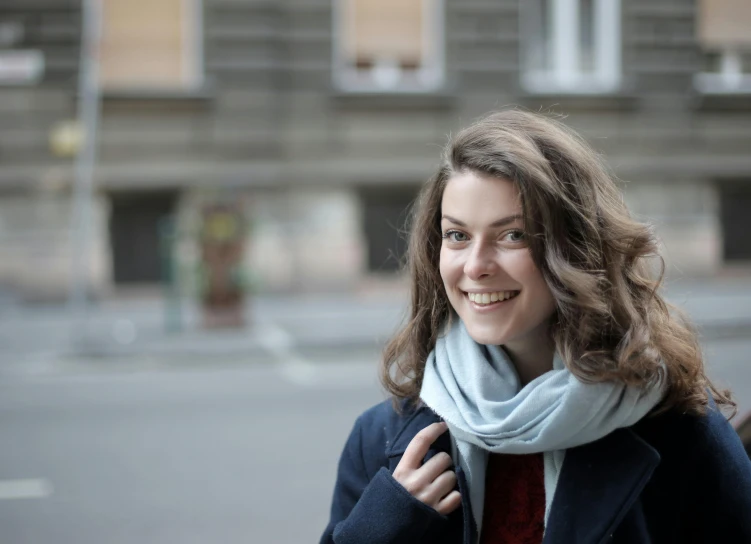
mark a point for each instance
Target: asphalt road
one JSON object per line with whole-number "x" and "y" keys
{"x": 156, "y": 451}
{"x": 210, "y": 455}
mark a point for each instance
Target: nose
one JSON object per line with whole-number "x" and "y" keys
{"x": 481, "y": 262}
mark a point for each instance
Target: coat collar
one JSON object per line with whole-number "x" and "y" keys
{"x": 598, "y": 484}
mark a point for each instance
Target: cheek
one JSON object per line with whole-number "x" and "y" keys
{"x": 543, "y": 301}
{"x": 519, "y": 265}
{"x": 449, "y": 268}
{"x": 524, "y": 270}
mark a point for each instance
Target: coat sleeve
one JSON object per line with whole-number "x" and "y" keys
{"x": 725, "y": 479}
{"x": 375, "y": 510}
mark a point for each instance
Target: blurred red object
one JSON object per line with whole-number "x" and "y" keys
{"x": 222, "y": 250}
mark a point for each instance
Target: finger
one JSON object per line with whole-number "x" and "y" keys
{"x": 444, "y": 484}
{"x": 420, "y": 444}
{"x": 438, "y": 488}
{"x": 449, "y": 503}
{"x": 434, "y": 467}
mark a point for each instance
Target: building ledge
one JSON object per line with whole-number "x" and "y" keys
{"x": 722, "y": 101}
{"x": 394, "y": 100}
{"x": 578, "y": 101}
{"x": 195, "y": 96}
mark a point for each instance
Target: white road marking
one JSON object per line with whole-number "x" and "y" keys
{"x": 299, "y": 371}
{"x": 292, "y": 366}
{"x": 32, "y": 488}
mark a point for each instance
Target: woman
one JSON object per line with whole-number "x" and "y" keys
{"x": 576, "y": 402}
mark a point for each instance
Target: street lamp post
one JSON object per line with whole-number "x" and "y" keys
{"x": 88, "y": 114}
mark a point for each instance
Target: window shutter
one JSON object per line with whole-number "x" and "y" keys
{"x": 385, "y": 30}
{"x": 724, "y": 23}
{"x": 144, "y": 44}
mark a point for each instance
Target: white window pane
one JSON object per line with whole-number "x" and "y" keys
{"x": 607, "y": 48}
{"x": 565, "y": 46}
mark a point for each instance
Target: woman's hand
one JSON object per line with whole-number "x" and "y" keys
{"x": 432, "y": 483}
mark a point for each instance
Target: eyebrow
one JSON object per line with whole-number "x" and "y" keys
{"x": 499, "y": 223}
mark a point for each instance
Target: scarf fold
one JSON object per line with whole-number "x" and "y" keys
{"x": 476, "y": 390}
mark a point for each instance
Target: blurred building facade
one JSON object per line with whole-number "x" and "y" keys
{"x": 322, "y": 118}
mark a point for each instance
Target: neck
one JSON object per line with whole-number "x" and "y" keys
{"x": 532, "y": 356}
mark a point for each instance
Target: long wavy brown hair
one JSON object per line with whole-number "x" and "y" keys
{"x": 603, "y": 267}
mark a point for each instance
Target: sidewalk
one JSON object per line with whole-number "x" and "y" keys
{"x": 279, "y": 325}
{"x": 276, "y": 326}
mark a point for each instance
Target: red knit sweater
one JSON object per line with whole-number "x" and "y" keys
{"x": 514, "y": 500}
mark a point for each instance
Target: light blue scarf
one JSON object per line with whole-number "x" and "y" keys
{"x": 476, "y": 389}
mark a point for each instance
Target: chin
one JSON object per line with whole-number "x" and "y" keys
{"x": 485, "y": 335}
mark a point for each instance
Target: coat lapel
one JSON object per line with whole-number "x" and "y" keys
{"x": 598, "y": 484}
{"x": 421, "y": 418}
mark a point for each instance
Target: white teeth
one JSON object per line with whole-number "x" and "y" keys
{"x": 489, "y": 298}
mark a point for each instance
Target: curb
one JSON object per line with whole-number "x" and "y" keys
{"x": 190, "y": 348}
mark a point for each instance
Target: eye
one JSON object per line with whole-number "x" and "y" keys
{"x": 455, "y": 236}
{"x": 515, "y": 236}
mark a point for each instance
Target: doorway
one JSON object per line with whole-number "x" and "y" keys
{"x": 386, "y": 213}
{"x": 735, "y": 203}
{"x": 134, "y": 229}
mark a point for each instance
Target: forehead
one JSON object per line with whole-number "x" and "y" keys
{"x": 476, "y": 196}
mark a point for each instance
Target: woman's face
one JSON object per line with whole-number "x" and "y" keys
{"x": 486, "y": 265}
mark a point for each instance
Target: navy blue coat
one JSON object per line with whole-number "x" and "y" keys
{"x": 668, "y": 479}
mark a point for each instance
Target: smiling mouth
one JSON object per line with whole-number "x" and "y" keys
{"x": 490, "y": 299}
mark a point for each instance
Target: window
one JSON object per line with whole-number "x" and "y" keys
{"x": 724, "y": 35}
{"x": 152, "y": 44}
{"x": 571, "y": 45}
{"x": 388, "y": 45}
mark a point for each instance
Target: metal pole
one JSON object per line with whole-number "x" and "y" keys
{"x": 88, "y": 117}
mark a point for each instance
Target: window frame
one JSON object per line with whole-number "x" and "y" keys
{"x": 717, "y": 33}
{"x": 730, "y": 79}
{"x": 346, "y": 80}
{"x": 565, "y": 49}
